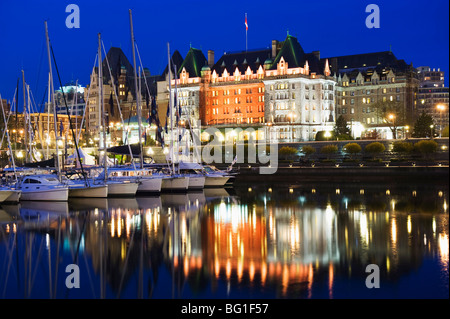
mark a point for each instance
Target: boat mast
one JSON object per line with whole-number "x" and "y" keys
{"x": 138, "y": 95}
{"x": 102, "y": 105}
{"x": 55, "y": 119}
{"x": 172, "y": 155}
{"x": 8, "y": 139}
{"x": 48, "y": 118}
{"x": 24, "y": 115}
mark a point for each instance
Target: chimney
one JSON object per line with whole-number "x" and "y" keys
{"x": 210, "y": 58}
{"x": 274, "y": 48}
{"x": 317, "y": 54}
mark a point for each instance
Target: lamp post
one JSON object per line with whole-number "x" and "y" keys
{"x": 440, "y": 108}
{"x": 394, "y": 130}
{"x": 431, "y": 131}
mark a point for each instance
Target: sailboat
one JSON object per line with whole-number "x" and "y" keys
{"x": 116, "y": 187}
{"x": 44, "y": 186}
{"x": 8, "y": 193}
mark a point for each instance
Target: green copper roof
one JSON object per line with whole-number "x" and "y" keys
{"x": 292, "y": 52}
{"x": 193, "y": 62}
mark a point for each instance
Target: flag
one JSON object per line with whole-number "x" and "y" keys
{"x": 246, "y": 24}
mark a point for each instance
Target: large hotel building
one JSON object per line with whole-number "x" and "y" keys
{"x": 284, "y": 93}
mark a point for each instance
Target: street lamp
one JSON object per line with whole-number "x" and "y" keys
{"x": 440, "y": 108}
{"x": 394, "y": 131}
{"x": 431, "y": 130}
{"x": 327, "y": 135}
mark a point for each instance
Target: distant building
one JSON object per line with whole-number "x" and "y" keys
{"x": 118, "y": 75}
{"x": 433, "y": 96}
{"x": 365, "y": 79}
{"x": 74, "y": 98}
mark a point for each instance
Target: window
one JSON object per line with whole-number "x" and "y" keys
{"x": 352, "y": 111}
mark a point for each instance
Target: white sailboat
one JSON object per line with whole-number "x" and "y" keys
{"x": 116, "y": 187}
{"x": 42, "y": 186}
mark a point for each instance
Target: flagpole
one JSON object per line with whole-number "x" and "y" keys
{"x": 246, "y": 30}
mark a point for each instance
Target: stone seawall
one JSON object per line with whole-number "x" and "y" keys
{"x": 347, "y": 174}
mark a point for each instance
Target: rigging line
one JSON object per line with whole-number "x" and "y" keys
{"x": 7, "y": 120}
{"x": 39, "y": 66}
{"x": 118, "y": 106}
{"x": 34, "y": 129}
{"x": 86, "y": 102}
{"x": 146, "y": 85}
{"x": 70, "y": 121}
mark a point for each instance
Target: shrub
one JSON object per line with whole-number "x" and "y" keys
{"x": 374, "y": 148}
{"x": 287, "y": 152}
{"x": 426, "y": 147}
{"x": 308, "y": 150}
{"x": 328, "y": 150}
{"x": 403, "y": 147}
{"x": 352, "y": 149}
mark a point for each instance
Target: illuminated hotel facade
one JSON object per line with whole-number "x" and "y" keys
{"x": 282, "y": 92}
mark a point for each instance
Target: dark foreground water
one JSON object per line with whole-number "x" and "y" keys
{"x": 251, "y": 241}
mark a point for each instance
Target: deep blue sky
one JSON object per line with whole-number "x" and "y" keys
{"x": 417, "y": 30}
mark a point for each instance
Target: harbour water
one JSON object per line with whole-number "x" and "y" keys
{"x": 303, "y": 241}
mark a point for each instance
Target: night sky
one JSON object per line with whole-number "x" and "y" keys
{"x": 417, "y": 31}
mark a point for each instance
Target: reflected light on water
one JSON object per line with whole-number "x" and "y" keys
{"x": 443, "y": 249}
{"x": 261, "y": 240}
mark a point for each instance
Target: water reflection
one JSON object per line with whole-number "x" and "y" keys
{"x": 269, "y": 241}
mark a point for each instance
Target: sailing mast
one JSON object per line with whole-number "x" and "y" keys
{"x": 55, "y": 119}
{"x": 102, "y": 105}
{"x": 138, "y": 96}
{"x": 24, "y": 115}
{"x": 171, "y": 112}
{"x": 9, "y": 141}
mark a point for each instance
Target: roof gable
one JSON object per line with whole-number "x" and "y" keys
{"x": 292, "y": 52}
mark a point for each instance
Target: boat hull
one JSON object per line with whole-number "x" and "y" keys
{"x": 14, "y": 197}
{"x": 216, "y": 181}
{"x": 175, "y": 183}
{"x": 196, "y": 182}
{"x": 150, "y": 185}
{"x": 122, "y": 189}
{"x": 95, "y": 191}
{"x": 5, "y": 194}
{"x": 56, "y": 194}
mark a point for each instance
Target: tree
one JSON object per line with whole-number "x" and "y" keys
{"x": 352, "y": 149}
{"x": 424, "y": 126}
{"x": 341, "y": 127}
{"x": 328, "y": 150}
{"x": 392, "y": 113}
{"x": 374, "y": 148}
